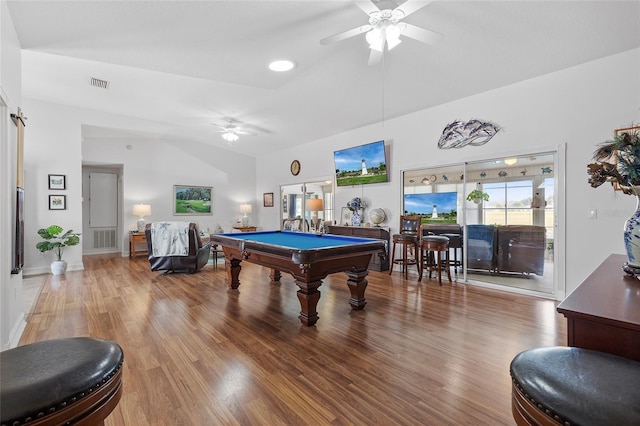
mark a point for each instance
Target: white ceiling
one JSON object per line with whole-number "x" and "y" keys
{"x": 179, "y": 66}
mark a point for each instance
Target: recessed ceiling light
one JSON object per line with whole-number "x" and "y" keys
{"x": 281, "y": 65}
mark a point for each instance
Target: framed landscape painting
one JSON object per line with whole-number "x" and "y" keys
{"x": 192, "y": 200}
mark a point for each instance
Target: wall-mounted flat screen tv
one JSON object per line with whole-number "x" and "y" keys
{"x": 361, "y": 164}
{"x": 435, "y": 206}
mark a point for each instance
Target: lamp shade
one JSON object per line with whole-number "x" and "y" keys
{"x": 245, "y": 208}
{"x": 315, "y": 205}
{"x": 141, "y": 210}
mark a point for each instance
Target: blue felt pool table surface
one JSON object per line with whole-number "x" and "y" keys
{"x": 298, "y": 240}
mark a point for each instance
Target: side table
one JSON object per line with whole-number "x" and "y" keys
{"x": 136, "y": 238}
{"x": 246, "y": 228}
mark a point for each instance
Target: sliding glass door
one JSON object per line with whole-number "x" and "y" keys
{"x": 506, "y": 209}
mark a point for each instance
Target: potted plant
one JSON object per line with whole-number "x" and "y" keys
{"x": 477, "y": 196}
{"x": 618, "y": 161}
{"x": 55, "y": 240}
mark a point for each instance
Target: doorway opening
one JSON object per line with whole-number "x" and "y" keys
{"x": 306, "y": 206}
{"x": 101, "y": 209}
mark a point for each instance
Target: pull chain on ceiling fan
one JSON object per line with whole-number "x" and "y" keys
{"x": 385, "y": 28}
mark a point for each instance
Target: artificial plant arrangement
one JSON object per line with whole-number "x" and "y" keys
{"x": 476, "y": 195}
{"x": 56, "y": 242}
{"x": 356, "y": 204}
{"x": 617, "y": 161}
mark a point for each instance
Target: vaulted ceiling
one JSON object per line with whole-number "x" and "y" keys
{"x": 181, "y": 67}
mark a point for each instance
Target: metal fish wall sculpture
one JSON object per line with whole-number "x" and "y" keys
{"x": 462, "y": 133}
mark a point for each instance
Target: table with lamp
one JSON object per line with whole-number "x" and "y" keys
{"x": 245, "y": 209}
{"x": 137, "y": 237}
{"x": 315, "y": 205}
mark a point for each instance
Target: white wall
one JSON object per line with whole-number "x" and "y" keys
{"x": 576, "y": 108}
{"x": 11, "y": 315}
{"x": 150, "y": 169}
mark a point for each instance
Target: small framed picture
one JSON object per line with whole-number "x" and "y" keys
{"x": 345, "y": 216}
{"x": 57, "y": 202}
{"x": 267, "y": 199}
{"x": 57, "y": 182}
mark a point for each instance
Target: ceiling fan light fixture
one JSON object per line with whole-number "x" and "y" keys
{"x": 281, "y": 65}
{"x": 392, "y": 33}
{"x": 375, "y": 38}
{"x": 230, "y": 136}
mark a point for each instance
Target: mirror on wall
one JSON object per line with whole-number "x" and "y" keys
{"x": 306, "y": 206}
{"x": 505, "y": 208}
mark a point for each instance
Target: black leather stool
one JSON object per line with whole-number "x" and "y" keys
{"x": 62, "y": 381}
{"x": 574, "y": 386}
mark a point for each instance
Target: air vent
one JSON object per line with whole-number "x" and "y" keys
{"x": 96, "y": 82}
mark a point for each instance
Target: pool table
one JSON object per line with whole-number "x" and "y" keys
{"x": 308, "y": 257}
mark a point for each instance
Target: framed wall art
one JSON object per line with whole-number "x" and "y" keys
{"x": 267, "y": 199}
{"x": 57, "y": 202}
{"x": 57, "y": 182}
{"x": 192, "y": 200}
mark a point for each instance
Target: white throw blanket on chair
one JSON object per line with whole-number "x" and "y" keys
{"x": 170, "y": 238}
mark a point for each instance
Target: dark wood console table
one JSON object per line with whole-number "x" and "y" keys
{"x": 378, "y": 263}
{"x": 603, "y": 313}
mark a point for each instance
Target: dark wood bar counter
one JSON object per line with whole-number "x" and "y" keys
{"x": 603, "y": 313}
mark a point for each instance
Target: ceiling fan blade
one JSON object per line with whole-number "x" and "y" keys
{"x": 367, "y": 6}
{"x": 375, "y": 57}
{"x": 411, "y": 6}
{"x": 345, "y": 35}
{"x": 420, "y": 34}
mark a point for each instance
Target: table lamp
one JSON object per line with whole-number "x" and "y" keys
{"x": 315, "y": 205}
{"x": 141, "y": 210}
{"x": 245, "y": 209}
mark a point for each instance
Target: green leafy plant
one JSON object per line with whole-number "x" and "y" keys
{"x": 56, "y": 242}
{"x": 477, "y": 194}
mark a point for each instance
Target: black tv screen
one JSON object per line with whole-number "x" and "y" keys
{"x": 361, "y": 164}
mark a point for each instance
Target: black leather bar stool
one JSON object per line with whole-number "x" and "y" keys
{"x": 558, "y": 386}
{"x": 431, "y": 249}
{"x": 408, "y": 239}
{"x": 58, "y": 382}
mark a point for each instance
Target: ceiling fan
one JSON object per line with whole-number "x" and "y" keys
{"x": 385, "y": 27}
{"x": 232, "y": 130}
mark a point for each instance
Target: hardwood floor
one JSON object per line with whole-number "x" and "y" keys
{"x": 198, "y": 353}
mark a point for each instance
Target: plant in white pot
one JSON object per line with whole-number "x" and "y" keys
{"x": 477, "y": 196}
{"x": 55, "y": 240}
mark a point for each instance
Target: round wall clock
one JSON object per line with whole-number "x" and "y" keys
{"x": 295, "y": 167}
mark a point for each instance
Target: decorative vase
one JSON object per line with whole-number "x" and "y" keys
{"x": 356, "y": 219}
{"x": 632, "y": 238}
{"x": 58, "y": 267}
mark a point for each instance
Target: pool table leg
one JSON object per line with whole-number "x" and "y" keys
{"x": 275, "y": 275}
{"x": 308, "y": 295}
{"x": 233, "y": 271}
{"x": 357, "y": 285}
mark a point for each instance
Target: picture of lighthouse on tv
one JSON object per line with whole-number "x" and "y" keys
{"x": 361, "y": 164}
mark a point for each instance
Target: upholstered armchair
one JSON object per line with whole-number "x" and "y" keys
{"x": 295, "y": 224}
{"x": 188, "y": 257}
{"x": 521, "y": 249}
